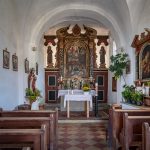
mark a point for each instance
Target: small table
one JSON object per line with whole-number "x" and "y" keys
{"x": 77, "y": 97}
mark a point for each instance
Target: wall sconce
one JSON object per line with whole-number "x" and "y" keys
{"x": 34, "y": 48}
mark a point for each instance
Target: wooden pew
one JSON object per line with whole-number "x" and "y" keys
{"x": 14, "y": 138}
{"x": 39, "y": 113}
{"x": 117, "y": 123}
{"x": 145, "y": 136}
{"x": 26, "y": 122}
{"x": 110, "y": 122}
{"x": 132, "y": 130}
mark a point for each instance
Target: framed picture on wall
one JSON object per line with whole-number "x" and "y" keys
{"x": 114, "y": 84}
{"x": 26, "y": 65}
{"x": 36, "y": 68}
{"x": 128, "y": 67}
{"x": 145, "y": 62}
{"x": 6, "y": 59}
{"x": 15, "y": 62}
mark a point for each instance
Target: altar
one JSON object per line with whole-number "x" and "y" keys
{"x": 77, "y": 98}
{"x": 75, "y": 65}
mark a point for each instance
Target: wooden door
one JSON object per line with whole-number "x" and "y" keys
{"x": 101, "y": 77}
{"x": 51, "y": 85}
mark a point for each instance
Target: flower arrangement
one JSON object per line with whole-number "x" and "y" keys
{"x": 86, "y": 87}
{"x": 127, "y": 92}
{"x": 32, "y": 95}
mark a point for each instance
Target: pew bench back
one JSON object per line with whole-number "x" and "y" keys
{"x": 132, "y": 129}
{"x": 145, "y": 136}
{"x": 117, "y": 122}
{"x": 53, "y": 114}
{"x": 15, "y": 138}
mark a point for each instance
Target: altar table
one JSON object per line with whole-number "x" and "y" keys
{"x": 76, "y": 98}
{"x": 75, "y": 91}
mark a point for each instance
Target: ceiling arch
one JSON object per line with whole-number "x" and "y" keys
{"x": 92, "y": 13}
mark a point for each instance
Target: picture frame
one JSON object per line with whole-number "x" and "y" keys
{"x": 6, "y": 59}
{"x": 14, "y": 62}
{"x": 114, "y": 84}
{"x": 26, "y": 64}
{"x": 144, "y": 62}
{"x": 36, "y": 68}
{"x": 128, "y": 67}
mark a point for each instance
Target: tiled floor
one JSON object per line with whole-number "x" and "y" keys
{"x": 82, "y": 136}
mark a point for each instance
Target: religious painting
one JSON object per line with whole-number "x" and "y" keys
{"x": 128, "y": 67}
{"x": 26, "y": 65}
{"x": 76, "y": 61}
{"x": 114, "y": 84}
{"x": 36, "y": 68}
{"x": 15, "y": 62}
{"x": 145, "y": 63}
{"x": 6, "y": 59}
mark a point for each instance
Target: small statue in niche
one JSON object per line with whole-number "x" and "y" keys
{"x": 102, "y": 53}
{"x": 49, "y": 57}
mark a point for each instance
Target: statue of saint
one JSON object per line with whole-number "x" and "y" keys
{"x": 102, "y": 53}
{"x": 49, "y": 57}
{"x": 32, "y": 79}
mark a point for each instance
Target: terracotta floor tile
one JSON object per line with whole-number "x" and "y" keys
{"x": 89, "y": 136}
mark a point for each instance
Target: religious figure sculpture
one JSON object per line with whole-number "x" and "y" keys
{"x": 32, "y": 80}
{"x": 102, "y": 53}
{"x": 49, "y": 57}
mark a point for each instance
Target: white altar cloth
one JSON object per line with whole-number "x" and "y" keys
{"x": 77, "y": 92}
{"x": 75, "y": 97}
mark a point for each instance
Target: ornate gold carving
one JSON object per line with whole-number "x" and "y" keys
{"x": 90, "y": 32}
{"x": 76, "y": 30}
{"x": 91, "y": 44}
{"x": 62, "y": 32}
{"x": 74, "y": 46}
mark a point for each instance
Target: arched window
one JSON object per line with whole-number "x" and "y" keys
{"x": 114, "y": 48}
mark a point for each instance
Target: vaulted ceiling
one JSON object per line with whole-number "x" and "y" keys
{"x": 120, "y": 17}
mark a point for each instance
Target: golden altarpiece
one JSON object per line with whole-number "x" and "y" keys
{"x": 75, "y": 62}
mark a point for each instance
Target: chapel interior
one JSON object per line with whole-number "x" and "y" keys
{"x": 64, "y": 55}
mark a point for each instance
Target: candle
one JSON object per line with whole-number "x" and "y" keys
{"x": 96, "y": 84}
{"x": 91, "y": 78}
{"x": 96, "y": 88}
{"x": 61, "y": 78}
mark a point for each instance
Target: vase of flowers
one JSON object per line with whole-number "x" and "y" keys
{"x": 86, "y": 89}
{"x": 32, "y": 95}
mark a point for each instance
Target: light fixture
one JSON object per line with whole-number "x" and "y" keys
{"x": 34, "y": 48}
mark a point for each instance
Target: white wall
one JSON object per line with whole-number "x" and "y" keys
{"x": 14, "y": 37}
{"x": 23, "y": 23}
{"x": 8, "y": 37}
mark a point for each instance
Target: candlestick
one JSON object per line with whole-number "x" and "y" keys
{"x": 61, "y": 78}
{"x": 91, "y": 78}
{"x": 96, "y": 88}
